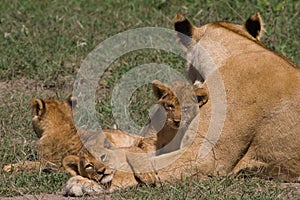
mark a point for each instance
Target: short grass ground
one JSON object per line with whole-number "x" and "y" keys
{"x": 42, "y": 44}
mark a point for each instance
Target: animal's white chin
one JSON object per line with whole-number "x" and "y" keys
{"x": 106, "y": 178}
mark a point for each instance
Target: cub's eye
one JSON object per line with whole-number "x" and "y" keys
{"x": 170, "y": 106}
{"x": 89, "y": 166}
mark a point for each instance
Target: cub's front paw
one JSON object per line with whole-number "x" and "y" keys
{"x": 78, "y": 186}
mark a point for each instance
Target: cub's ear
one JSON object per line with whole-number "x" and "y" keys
{"x": 201, "y": 93}
{"x": 254, "y": 26}
{"x": 71, "y": 164}
{"x": 72, "y": 101}
{"x": 159, "y": 89}
{"x": 38, "y": 106}
{"x": 185, "y": 29}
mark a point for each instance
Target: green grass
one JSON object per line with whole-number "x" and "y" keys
{"x": 33, "y": 183}
{"x": 41, "y": 48}
{"x": 214, "y": 188}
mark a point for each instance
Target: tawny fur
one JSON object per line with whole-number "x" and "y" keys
{"x": 262, "y": 126}
{"x": 53, "y": 124}
{"x": 114, "y": 163}
{"x": 58, "y": 136}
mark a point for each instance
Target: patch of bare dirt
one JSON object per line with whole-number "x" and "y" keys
{"x": 46, "y": 88}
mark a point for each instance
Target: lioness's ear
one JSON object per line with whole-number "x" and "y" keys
{"x": 185, "y": 29}
{"x": 201, "y": 93}
{"x": 71, "y": 164}
{"x": 72, "y": 101}
{"x": 159, "y": 89}
{"x": 38, "y": 106}
{"x": 254, "y": 26}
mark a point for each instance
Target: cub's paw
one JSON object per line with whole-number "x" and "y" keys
{"x": 78, "y": 186}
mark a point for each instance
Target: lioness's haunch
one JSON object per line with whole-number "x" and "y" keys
{"x": 260, "y": 131}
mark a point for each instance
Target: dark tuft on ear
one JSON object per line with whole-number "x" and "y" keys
{"x": 254, "y": 26}
{"x": 201, "y": 93}
{"x": 72, "y": 101}
{"x": 182, "y": 25}
{"x": 71, "y": 164}
{"x": 38, "y": 106}
{"x": 159, "y": 89}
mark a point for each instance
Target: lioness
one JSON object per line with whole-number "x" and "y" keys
{"x": 260, "y": 132}
{"x": 261, "y": 127}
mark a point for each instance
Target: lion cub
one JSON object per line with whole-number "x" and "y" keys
{"x": 53, "y": 124}
{"x": 58, "y": 136}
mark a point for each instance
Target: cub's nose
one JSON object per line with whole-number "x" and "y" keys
{"x": 101, "y": 171}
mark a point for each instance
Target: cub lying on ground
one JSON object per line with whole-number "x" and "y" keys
{"x": 256, "y": 89}
{"x": 58, "y": 136}
{"x": 52, "y": 123}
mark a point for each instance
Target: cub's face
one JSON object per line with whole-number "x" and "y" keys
{"x": 87, "y": 166}
{"x": 180, "y": 100}
{"x": 51, "y": 114}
